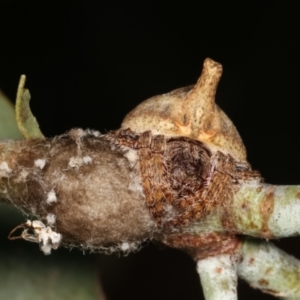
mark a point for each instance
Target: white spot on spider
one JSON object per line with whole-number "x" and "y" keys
{"x": 95, "y": 133}
{"x": 135, "y": 184}
{"x": 87, "y": 159}
{"x": 127, "y": 247}
{"x": 51, "y": 218}
{"x": 76, "y": 161}
{"x": 48, "y": 239}
{"x": 45, "y": 236}
{"x": 132, "y": 157}
{"x": 40, "y": 163}
{"x": 51, "y": 197}
{"x": 46, "y": 249}
{"x": 4, "y": 169}
{"x": 22, "y": 176}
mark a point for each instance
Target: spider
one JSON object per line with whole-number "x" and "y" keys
{"x": 37, "y": 232}
{"x": 181, "y": 179}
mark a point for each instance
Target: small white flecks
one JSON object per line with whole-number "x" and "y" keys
{"x": 55, "y": 239}
{"x": 135, "y": 187}
{"x": 132, "y": 157}
{"x": 125, "y": 246}
{"x": 128, "y": 247}
{"x": 39, "y": 233}
{"x": 48, "y": 239}
{"x": 135, "y": 184}
{"x": 95, "y": 133}
{"x": 87, "y": 160}
{"x": 4, "y": 169}
{"x": 22, "y": 176}
{"x": 51, "y": 197}
{"x": 46, "y": 249}
{"x": 76, "y": 161}
{"x": 40, "y": 163}
{"x": 51, "y": 218}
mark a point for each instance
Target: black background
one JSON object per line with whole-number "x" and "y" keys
{"x": 88, "y": 63}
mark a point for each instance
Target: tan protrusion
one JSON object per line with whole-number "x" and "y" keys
{"x": 190, "y": 112}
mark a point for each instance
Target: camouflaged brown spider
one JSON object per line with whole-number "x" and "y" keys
{"x": 181, "y": 178}
{"x": 175, "y": 172}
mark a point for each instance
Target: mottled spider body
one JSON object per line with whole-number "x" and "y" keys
{"x": 181, "y": 179}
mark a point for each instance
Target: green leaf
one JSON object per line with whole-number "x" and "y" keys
{"x": 27, "y": 123}
{"x": 8, "y": 125}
